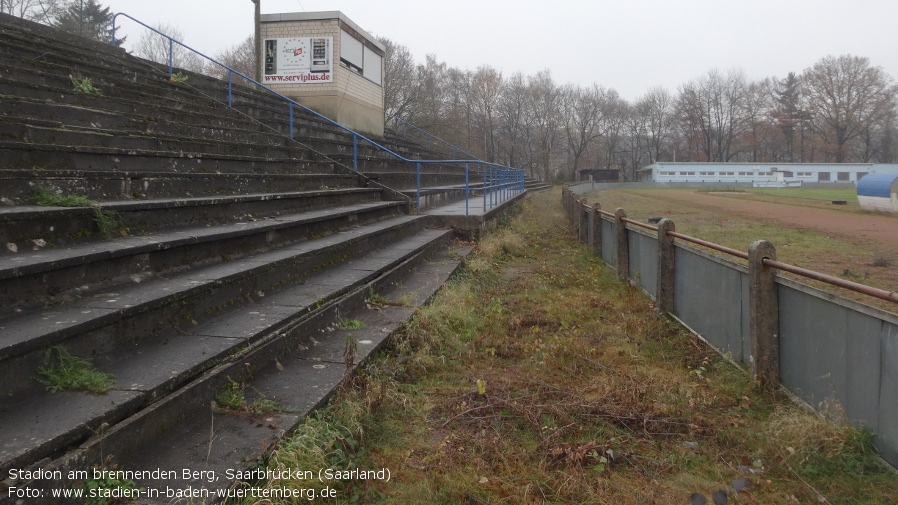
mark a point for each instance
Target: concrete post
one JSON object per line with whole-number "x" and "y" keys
{"x": 664, "y": 289}
{"x": 563, "y": 198}
{"x": 623, "y": 245}
{"x": 597, "y": 230}
{"x": 583, "y": 218}
{"x": 763, "y": 309}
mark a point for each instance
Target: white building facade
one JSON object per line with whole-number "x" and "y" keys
{"x": 763, "y": 174}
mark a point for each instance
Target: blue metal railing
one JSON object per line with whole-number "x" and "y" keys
{"x": 511, "y": 182}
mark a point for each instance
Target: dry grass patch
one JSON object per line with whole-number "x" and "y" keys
{"x": 537, "y": 377}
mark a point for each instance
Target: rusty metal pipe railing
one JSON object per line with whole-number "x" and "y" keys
{"x": 889, "y": 296}
{"x": 710, "y": 245}
{"x": 882, "y": 294}
{"x": 639, "y": 224}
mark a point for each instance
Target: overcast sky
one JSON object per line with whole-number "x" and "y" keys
{"x": 627, "y": 45}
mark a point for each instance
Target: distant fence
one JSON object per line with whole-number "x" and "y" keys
{"x": 823, "y": 347}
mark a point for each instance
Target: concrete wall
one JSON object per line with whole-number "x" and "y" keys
{"x": 350, "y": 99}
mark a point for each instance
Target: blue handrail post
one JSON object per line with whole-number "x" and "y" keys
{"x": 355, "y": 152}
{"x": 501, "y": 196}
{"x": 505, "y": 175}
{"x": 492, "y": 185}
{"x": 418, "y": 184}
{"x": 171, "y": 54}
{"x": 484, "y": 186}
{"x": 291, "y": 120}
{"x": 230, "y": 96}
{"x": 466, "y": 189}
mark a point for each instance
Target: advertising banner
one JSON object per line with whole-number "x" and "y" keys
{"x": 298, "y": 60}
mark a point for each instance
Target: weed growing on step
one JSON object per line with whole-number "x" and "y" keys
{"x": 83, "y": 86}
{"x": 403, "y": 300}
{"x": 351, "y": 324}
{"x": 232, "y": 397}
{"x": 95, "y": 488}
{"x": 50, "y": 198}
{"x": 65, "y": 372}
{"x": 107, "y": 221}
{"x": 178, "y": 78}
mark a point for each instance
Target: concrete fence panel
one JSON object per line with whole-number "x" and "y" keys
{"x": 643, "y": 259}
{"x": 711, "y": 298}
{"x": 609, "y": 238}
{"x": 836, "y": 353}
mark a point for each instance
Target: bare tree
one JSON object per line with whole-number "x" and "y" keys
{"x": 486, "y": 88}
{"x": 846, "y": 97}
{"x": 761, "y": 137}
{"x": 401, "y": 82}
{"x": 155, "y": 47}
{"x": 513, "y": 119}
{"x": 431, "y": 100}
{"x": 544, "y": 108}
{"x": 582, "y": 115}
{"x": 39, "y": 11}
{"x": 655, "y": 112}
{"x": 712, "y": 109}
{"x": 240, "y": 57}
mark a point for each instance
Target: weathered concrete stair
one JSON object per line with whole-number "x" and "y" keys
{"x": 234, "y": 251}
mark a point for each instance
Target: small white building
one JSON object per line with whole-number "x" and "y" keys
{"x": 762, "y": 174}
{"x": 328, "y": 63}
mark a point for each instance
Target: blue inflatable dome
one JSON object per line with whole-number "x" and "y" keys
{"x": 878, "y": 192}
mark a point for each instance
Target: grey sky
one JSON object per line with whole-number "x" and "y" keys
{"x": 628, "y": 45}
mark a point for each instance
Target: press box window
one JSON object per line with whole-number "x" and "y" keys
{"x": 360, "y": 59}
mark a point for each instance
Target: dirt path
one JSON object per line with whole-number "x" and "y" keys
{"x": 870, "y": 229}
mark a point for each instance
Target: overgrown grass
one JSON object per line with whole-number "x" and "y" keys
{"x": 536, "y": 377}
{"x": 108, "y": 222}
{"x": 65, "y": 372}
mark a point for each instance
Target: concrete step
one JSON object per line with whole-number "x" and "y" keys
{"x": 53, "y": 227}
{"x": 25, "y": 155}
{"x": 25, "y": 111}
{"x": 50, "y": 276}
{"x": 144, "y": 141}
{"x": 177, "y": 357}
{"x": 17, "y": 186}
{"x": 299, "y": 368}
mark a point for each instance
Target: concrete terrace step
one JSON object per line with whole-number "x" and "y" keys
{"x": 49, "y": 275}
{"x": 241, "y": 250}
{"x": 146, "y": 141}
{"x": 245, "y": 96}
{"x": 17, "y": 186}
{"x": 24, "y": 111}
{"x": 60, "y": 226}
{"x": 313, "y": 355}
{"x": 39, "y": 427}
{"x": 25, "y": 155}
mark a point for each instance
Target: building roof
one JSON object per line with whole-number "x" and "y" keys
{"x": 320, "y": 16}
